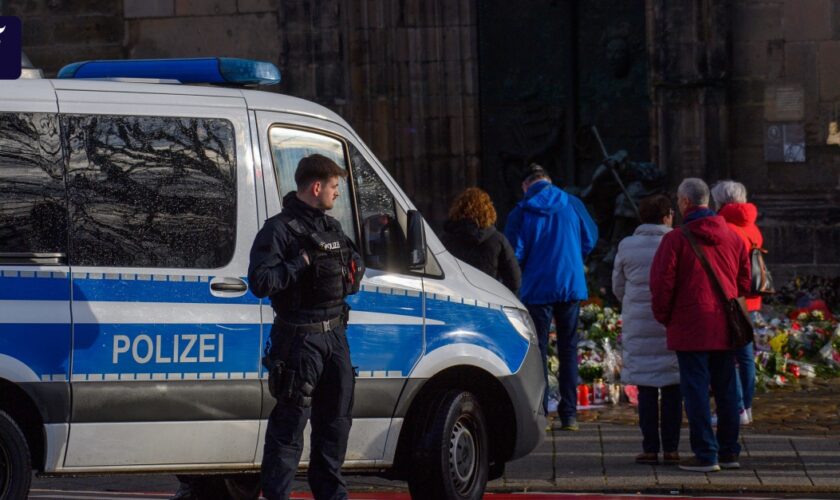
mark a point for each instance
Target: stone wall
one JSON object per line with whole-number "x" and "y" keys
{"x": 403, "y": 73}
{"x": 56, "y": 32}
{"x": 792, "y": 45}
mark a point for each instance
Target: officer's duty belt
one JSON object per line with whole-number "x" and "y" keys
{"x": 317, "y": 327}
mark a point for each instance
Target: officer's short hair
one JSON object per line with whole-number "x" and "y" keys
{"x": 534, "y": 172}
{"x": 316, "y": 167}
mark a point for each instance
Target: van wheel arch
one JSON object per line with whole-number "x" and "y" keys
{"x": 22, "y": 409}
{"x": 494, "y": 400}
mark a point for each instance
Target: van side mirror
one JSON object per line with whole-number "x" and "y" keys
{"x": 416, "y": 241}
{"x": 383, "y": 243}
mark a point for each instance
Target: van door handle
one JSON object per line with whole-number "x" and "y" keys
{"x": 228, "y": 285}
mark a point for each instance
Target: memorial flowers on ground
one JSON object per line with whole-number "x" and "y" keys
{"x": 793, "y": 343}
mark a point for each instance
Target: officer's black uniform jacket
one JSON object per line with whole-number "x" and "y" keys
{"x": 277, "y": 266}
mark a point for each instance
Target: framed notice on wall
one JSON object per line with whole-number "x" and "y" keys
{"x": 784, "y": 142}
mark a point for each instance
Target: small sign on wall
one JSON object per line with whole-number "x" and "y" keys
{"x": 784, "y": 102}
{"x": 784, "y": 142}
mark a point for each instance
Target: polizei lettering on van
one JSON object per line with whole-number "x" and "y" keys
{"x": 184, "y": 348}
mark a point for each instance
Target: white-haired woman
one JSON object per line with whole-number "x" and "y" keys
{"x": 730, "y": 199}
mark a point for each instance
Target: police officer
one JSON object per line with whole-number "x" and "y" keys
{"x": 305, "y": 263}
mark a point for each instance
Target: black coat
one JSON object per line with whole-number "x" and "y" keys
{"x": 484, "y": 248}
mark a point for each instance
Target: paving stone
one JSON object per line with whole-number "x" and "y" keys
{"x": 534, "y": 466}
{"x": 787, "y": 478}
{"x": 585, "y": 467}
{"x": 820, "y": 461}
{"x": 496, "y": 484}
{"x": 679, "y": 477}
{"x": 825, "y": 479}
{"x": 532, "y": 484}
{"x": 740, "y": 478}
{"x": 621, "y": 471}
{"x": 804, "y": 444}
{"x": 630, "y": 481}
{"x": 764, "y": 448}
{"x": 587, "y": 483}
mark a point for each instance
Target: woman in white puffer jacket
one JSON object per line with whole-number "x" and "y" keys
{"x": 647, "y": 362}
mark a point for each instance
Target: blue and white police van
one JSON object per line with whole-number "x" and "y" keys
{"x": 129, "y": 341}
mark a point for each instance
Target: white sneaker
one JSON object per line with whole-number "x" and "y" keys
{"x": 744, "y": 417}
{"x": 749, "y": 414}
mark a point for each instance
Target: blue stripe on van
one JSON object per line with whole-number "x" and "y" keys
{"x": 40, "y": 288}
{"x": 44, "y": 348}
{"x": 110, "y": 290}
{"x": 385, "y": 347}
{"x": 481, "y": 326}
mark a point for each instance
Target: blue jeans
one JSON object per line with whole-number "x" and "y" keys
{"x": 698, "y": 371}
{"x": 657, "y": 415}
{"x": 565, "y": 315}
{"x": 745, "y": 357}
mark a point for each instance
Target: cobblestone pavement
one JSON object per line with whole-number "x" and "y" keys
{"x": 811, "y": 408}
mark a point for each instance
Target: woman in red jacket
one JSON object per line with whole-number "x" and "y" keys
{"x": 730, "y": 198}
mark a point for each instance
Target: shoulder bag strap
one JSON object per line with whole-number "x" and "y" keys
{"x": 700, "y": 255}
{"x": 752, "y": 243}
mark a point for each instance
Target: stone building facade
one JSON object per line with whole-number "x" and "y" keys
{"x": 445, "y": 96}
{"x": 748, "y": 89}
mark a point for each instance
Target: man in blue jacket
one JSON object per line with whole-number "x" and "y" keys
{"x": 551, "y": 232}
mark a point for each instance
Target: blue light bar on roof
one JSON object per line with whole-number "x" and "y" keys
{"x": 220, "y": 70}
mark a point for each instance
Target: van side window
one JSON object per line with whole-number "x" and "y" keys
{"x": 372, "y": 195}
{"x": 151, "y": 191}
{"x": 33, "y": 210}
{"x": 289, "y": 145}
{"x": 383, "y": 237}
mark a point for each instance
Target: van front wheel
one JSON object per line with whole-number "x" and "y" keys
{"x": 15, "y": 461}
{"x": 451, "y": 453}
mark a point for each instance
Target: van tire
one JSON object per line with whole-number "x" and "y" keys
{"x": 15, "y": 460}
{"x": 451, "y": 454}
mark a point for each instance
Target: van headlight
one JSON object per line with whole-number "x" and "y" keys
{"x": 522, "y": 322}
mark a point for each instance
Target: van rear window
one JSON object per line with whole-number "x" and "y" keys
{"x": 33, "y": 210}
{"x": 150, "y": 191}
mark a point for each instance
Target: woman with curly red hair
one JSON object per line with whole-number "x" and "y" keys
{"x": 470, "y": 234}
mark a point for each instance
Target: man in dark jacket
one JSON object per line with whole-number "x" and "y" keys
{"x": 303, "y": 261}
{"x": 551, "y": 232}
{"x": 683, "y": 298}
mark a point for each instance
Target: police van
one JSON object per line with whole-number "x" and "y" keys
{"x": 130, "y": 194}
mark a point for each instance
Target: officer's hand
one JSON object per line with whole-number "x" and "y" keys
{"x": 305, "y": 256}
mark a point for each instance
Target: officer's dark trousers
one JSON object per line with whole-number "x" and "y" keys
{"x": 320, "y": 361}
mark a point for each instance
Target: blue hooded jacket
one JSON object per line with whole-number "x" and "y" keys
{"x": 551, "y": 232}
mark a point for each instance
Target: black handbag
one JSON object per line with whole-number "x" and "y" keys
{"x": 738, "y": 322}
